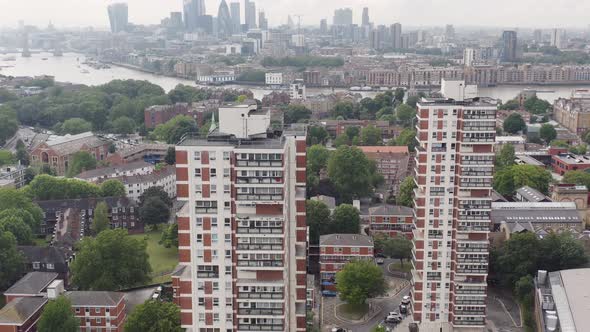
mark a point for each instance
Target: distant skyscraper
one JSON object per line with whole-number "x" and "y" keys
{"x": 193, "y": 10}
{"x": 236, "y": 19}
{"x": 176, "y": 19}
{"x": 509, "y": 45}
{"x": 376, "y": 39}
{"x": 396, "y": 35}
{"x": 118, "y": 17}
{"x": 450, "y": 31}
{"x": 365, "y": 21}
{"x": 558, "y": 38}
{"x": 324, "y": 26}
{"x": 250, "y": 11}
{"x": 262, "y": 21}
{"x": 343, "y": 16}
{"x": 538, "y": 36}
{"x": 224, "y": 22}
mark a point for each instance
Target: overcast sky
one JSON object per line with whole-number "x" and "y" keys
{"x": 501, "y": 13}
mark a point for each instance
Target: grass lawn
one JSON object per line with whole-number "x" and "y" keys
{"x": 163, "y": 260}
{"x": 396, "y": 266}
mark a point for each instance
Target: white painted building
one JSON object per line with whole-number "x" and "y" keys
{"x": 220, "y": 77}
{"x": 454, "y": 173}
{"x": 297, "y": 90}
{"x": 457, "y": 90}
{"x": 274, "y": 78}
{"x": 242, "y": 232}
{"x": 130, "y": 169}
{"x": 137, "y": 184}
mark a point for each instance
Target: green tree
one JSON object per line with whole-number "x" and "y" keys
{"x": 8, "y": 123}
{"x": 296, "y": 113}
{"x": 154, "y": 211}
{"x": 514, "y": 123}
{"x": 111, "y": 261}
{"x": 317, "y": 158}
{"x": 318, "y": 219}
{"x": 371, "y": 135}
{"x": 75, "y": 126}
{"x": 561, "y": 251}
{"x": 154, "y": 316}
{"x": 348, "y": 169}
{"x": 345, "y": 220}
{"x": 6, "y": 158}
{"x": 524, "y": 287}
{"x": 317, "y": 135}
{"x": 172, "y": 131}
{"x": 507, "y": 180}
{"x": 341, "y": 140}
{"x": 18, "y": 227}
{"x": 547, "y": 132}
{"x": 100, "y": 222}
{"x": 406, "y": 137}
{"x": 405, "y": 196}
{"x": 359, "y": 281}
{"x": 344, "y": 109}
{"x": 577, "y": 177}
{"x": 47, "y": 187}
{"x": 6, "y": 96}
{"x": 12, "y": 260}
{"x": 169, "y": 236}
{"x": 412, "y": 101}
{"x": 399, "y": 95}
{"x": 506, "y": 157}
{"x": 22, "y": 154}
{"x": 58, "y": 316}
{"x": 21, "y": 215}
{"x": 398, "y": 248}
{"x": 536, "y": 105}
{"x": 81, "y": 161}
{"x": 580, "y": 149}
{"x": 16, "y": 203}
{"x": 124, "y": 125}
{"x": 405, "y": 114}
{"x": 158, "y": 192}
{"x": 112, "y": 188}
{"x": 170, "y": 156}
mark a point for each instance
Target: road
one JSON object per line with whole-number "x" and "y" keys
{"x": 387, "y": 304}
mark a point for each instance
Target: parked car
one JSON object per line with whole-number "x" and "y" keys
{"x": 393, "y": 319}
{"x": 403, "y": 309}
{"x": 394, "y": 313}
{"x": 329, "y": 293}
{"x": 406, "y": 300}
{"x": 379, "y": 260}
{"x": 338, "y": 329}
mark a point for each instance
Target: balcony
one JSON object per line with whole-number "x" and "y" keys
{"x": 472, "y": 271}
{"x": 262, "y": 197}
{"x": 260, "y": 263}
{"x": 260, "y": 230}
{"x": 473, "y": 249}
{"x": 258, "y": 163}
{"x": 457, "y": 322}
{"x": 470, "y": 312}
{"x": 261, "y": 327}
{"x": 265, "y": 296}
{"x": 253, "y": 246}
{"x": 208, "y": 274}
{"x": 470, "y": 229}
{"x": 206, "y": 210}
{"x": 470, "y": 302}
{"x": 260, "y": 312}
{"x": 258, "y": 180}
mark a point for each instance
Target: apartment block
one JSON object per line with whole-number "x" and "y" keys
{"x": 391, "y": 220}
{"x": 242, "y": 232}
{"x": 338, "y": 249}
{"x": 454, "y": 171}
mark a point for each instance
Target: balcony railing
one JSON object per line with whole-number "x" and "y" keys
{"x": 469, "y": 302}
{"x": 259, "y": 163}
{"x": 254, "y": 311}
{"x": 258, "y": 180}
{"x": 472, "y": 249}
{"x": 472, "y": 271}
{"x": 244, "y": 246}
{"x": 469, "y": 322}
{"x": 206, "y": 210}
{"x": 207, "y": 274}
{"x": 265, "y": 296}
{"x": 260, "y": 327}
{"x": 259, "y": 263}
{"x": 470, "y": 312}
{"x": 264, "y": 197}
{"x": 259, "y": 230}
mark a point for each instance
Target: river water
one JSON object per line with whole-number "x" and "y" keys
{"x": 69, "y": 67}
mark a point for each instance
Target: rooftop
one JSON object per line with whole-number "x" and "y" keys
{"x": 530, "y": 194}
{"x": 100, "y": 172}
{"x": 33, "y": 283}
{"x": 52, "y": 255}
{"x": 19, "y": 310}
{"x": 391, "y": 210}
{"x": 477, "y": 102}
{"x": 570, "y": 158}
{"x": 94, "y": 298}
{"x": 347, "y": 240}
{"x": 384, "y": 149}
{"x": 148, "y": 178}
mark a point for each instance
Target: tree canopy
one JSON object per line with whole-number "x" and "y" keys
{"x": 296, "y": 113}
{"x": 536, "y": 105}
{"x": 509, "y": 179}
{"x": 12, "y": 260}
{"x": 58, "y": 315}
{"x": 577, "y": 177}
{"x": 154, "y": 316}
{"x": 371, "y": 135}
{"x": 514, "y": 123}
{"x": 47, "y": 187}
{"x": 360, "y": 280}
{"x": 154, "y": 211}
{"x": 172, "y": 131}
{"x": 405, "y": 114}
{"x": 547, "y": 133}
{"x": 405, "y": 196}
{"x": 158, "y": 192}
{"x": 506, "y": 157}
{"x": 317, "y": 135}
{"x": 345, "y": 220}
{"x": 349, "y": 170}
{"x": 75, "y": 126}
{"x": 100, "y": 221}
{"x": 317, "y": 158}
{"x": 112, "y": 188}
{"x": 318, "y": 219}
{"x": 111, "y": 261}
{"x": 406, "y": 137}
{"x": 8, "y": 123}
{"x": 6, "y": 158}
{"x": 81, "y": 161}
{"x": 15, "y": 203}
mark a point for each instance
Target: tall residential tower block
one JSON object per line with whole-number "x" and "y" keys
{"x": 242, "y": 232}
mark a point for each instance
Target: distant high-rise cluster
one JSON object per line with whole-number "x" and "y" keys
{"x": 224, "y": 20}
{"x": 118, "y": 17}
{"x": 250, "y": 11}
{"x": 343, "y": 16}
{"x": 365, "y": 20}
{"x": 396, "y": 35}
{"x": 194, "y": 10}
{"x": 558, "y": 38}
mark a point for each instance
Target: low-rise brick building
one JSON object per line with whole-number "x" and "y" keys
{"x": 159, "y": 114}
{"x": 99, "y": 311}
{"x": 391, "y": 220}
{"x": 565, "y": 162}
{"x": 392, "y": 163}
{"x": 338, "y": 249}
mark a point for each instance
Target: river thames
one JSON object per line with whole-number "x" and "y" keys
{"x": 69, "y": 68}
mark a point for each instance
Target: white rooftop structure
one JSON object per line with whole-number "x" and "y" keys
{"x": 457, "y": 90}
{"x": 243, "y": 120}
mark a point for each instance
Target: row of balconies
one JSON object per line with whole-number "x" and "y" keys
{"x": 470, "y": 302}
{"x": 260, "y": 230}
{"x": 260, "y": 263}
{"x": 258, "y": 163}
{"x": 261, "y": 197}
{"x": 265, "y": 296}
{"x": 254, "y": 246}
{"x": 461, "y": 322}
{"x": 258, "y": 180}
{"x": 261, "y": 311}
{"x": 261, "y": 327}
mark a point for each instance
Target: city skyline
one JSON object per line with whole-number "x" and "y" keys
{"x": 567, "y": 14}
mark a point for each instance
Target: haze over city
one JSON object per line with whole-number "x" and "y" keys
{"x": 500, "y": 13}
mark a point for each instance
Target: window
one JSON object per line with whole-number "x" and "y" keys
{"x": 214, "y": 238}
{"x": 36, "y": 265}
{"x": 226, "y": 172}
{"x": 199, "y": 222}
{"x": 213, "y": 221}
{"x": 200, "y": 253}
{"x": 213, "y": 172}
{"x": 215, "y": 285}
{"x": 197, "y": 155}
{"x": 198, "y": 188}
{"x": 77, "y": 310}
{"x": 215, "y": 302}
{"x": 228, "y": 254}
{"x": 98, "y": 321}
{"x": 212, "y": 155}
{"x": 197, "y": 172}
{"x": 50, "y": 266}
{"x": 227, "y": 222}
{"x": 201, "y": 316}
{"x": 216, "y": 317}
{"x": 97, "y": 310}
{"x": 228, "y": 270}
{"x": 199, "y": 238}
{"x": 226, "y": 189}
{"x": 214, "y": 189}
{"x": 225, "y": 155}
{"x": 201, "y": 301}
{"x": 214, "y": 254}
{"x": 227, "y": 238}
